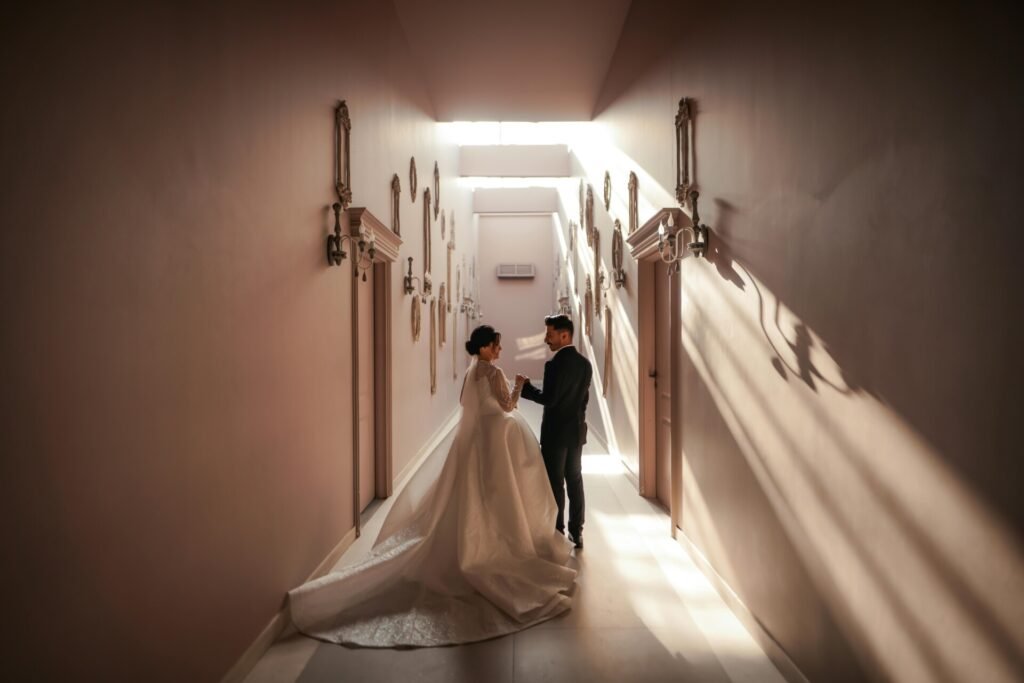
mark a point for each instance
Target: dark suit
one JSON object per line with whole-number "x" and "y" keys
{"x": 563, "y": 431}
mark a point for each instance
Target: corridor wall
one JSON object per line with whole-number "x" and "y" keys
{"x": 851, "y": 341}
{"x": 176, "y": 419}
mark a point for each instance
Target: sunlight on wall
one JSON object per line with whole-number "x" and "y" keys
{"x": 909, "y": 549}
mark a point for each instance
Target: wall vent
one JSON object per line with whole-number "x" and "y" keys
{"x": 520, "y": 270}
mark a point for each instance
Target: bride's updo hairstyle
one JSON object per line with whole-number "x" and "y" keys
{"x": 485, "y": 335}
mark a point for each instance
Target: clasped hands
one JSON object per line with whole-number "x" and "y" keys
{"x": 522, "y": 379}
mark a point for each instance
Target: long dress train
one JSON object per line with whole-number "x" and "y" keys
{"x": 463, "y": 556}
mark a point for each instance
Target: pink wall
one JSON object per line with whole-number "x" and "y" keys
{"x": 851, "y": 343}
{"x": 517, "y": 308}
{"x": 175, "y": 413}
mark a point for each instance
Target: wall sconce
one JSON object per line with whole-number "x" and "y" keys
{"x": 470, "y": 308}
{"x": 413, "y": 289}
{"x": 617, "y": 248}
{"x": 367, "y": 246}
{"x": 671, "y": 247}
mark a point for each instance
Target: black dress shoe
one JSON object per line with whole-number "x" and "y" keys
{"x": 577, "y": 539}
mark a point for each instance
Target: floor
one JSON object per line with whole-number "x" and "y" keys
{"x": 642, "y": 612}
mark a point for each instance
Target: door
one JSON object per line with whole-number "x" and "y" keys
{"x": 365, "y": 377}
{"x": 663, "y": 384}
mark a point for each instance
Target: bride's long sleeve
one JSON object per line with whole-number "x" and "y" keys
{"x": 508, "y": 400}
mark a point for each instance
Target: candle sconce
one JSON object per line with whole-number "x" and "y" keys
{"x": 417, "y": 290}
{"x": 617, "y": 248}
{"x": 365, "y": 244}
{"x": 672, "y": 248}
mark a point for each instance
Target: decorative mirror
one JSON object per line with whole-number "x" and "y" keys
{"x": 396, "y": 193}
{"x": 618, "y": 274}
{"x": 427, "y": 284}
{"x": 412, "y": 178}
{"x": 588, "y": 216}
{"x": 433, "y": 346}
{"x": 442, "y": 294}
{"x": 684, "y": 132}
{"x": 607, "y": 190}
{"x": 342, "y": 172}
{"x": 634, "y": 218}
{"x": 588, "y": 309}
{"x": 437, "y": 192}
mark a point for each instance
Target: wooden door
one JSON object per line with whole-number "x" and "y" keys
{"x": 365, "y": 378}
{"x": 663, "y": 384}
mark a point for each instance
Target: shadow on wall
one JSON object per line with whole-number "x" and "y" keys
{"x": 920, "y": 565}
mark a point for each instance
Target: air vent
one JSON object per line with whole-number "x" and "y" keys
{"x": 520, "y": 270}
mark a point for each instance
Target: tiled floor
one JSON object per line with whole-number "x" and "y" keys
{"x": 642, "y": 612}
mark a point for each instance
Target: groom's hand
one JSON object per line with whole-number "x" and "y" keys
{"x": 522, "y": 379}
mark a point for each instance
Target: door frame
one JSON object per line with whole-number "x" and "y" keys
{"x": 386, "y": 253}
{"x": 643, "y": 246}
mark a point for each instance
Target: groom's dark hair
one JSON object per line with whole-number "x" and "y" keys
{"x": 560, "y": 322}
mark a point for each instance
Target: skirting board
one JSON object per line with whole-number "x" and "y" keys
{"x": 771, "y": 647}
{"x": 280, "y": 623}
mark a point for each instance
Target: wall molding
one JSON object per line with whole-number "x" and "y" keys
{"x": 778, "y": 656}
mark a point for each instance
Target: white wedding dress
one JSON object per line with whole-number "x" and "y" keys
{"x": 463, "y": 556}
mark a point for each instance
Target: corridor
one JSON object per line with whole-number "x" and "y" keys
{"x": 642, "y": 612}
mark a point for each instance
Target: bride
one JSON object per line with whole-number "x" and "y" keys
{"x": 465, "y": 555}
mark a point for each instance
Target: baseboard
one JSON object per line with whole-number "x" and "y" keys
{"x": 280, "y": 622}
{"x": 772, "y": 649}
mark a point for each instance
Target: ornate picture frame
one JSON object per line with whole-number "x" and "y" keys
{"x": 588, "y": 225}
{"x": 588, "y": 308}
{"x": 342, "y": 154}
{"x": 607, "y": 191}
{"x": 634, "y": 190}
{"x": 433, "y": 346}
{"x": 396, "y": 196}
{"x": 684, "y": 135}
{"x": 437, "y": 192}
{"x": 442, "y": 319}
{"x": 412, "y": 178}
{"x": 427, "y": 284}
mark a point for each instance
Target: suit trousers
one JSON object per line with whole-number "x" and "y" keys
{"x": 564, "y": 464}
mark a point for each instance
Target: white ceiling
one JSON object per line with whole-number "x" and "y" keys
{"x": 513, "y": 60}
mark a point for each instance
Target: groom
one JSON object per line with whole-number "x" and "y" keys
{"x": 563, "y": 430}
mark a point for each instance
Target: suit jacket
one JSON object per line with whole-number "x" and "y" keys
{"x": 564, "y": 397}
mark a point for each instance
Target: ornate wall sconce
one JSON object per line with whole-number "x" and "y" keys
{"x": 365, "y": 244}
{"x": 670, "y": 245}
{"x": 618, "y": 274}
{"x": 684, "y": 135}
{"x": 414, "y": 285}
